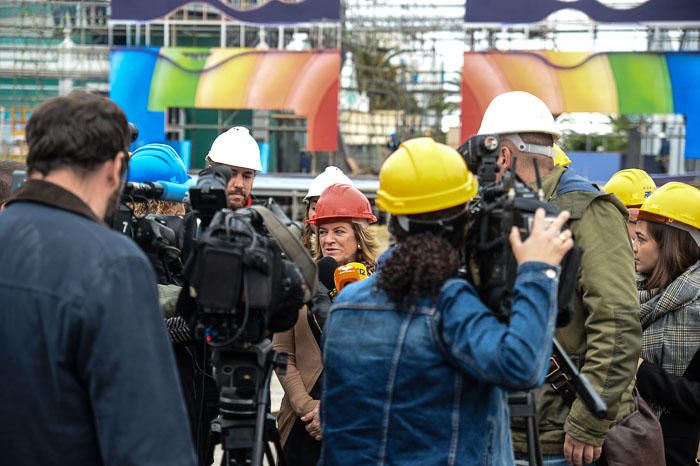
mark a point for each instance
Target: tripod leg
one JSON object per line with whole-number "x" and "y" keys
{"x": 533, "y": 443}
{"x": 259, "y": 444}
{"x": 522, "y": 404}
{"x": 280, "y": 454}
{"x": 268, "y": 454}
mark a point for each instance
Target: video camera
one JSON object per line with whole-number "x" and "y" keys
{"x": 242, "y": 283}
{"x": 241, "y": 278}
{"x": 159, "y": 236}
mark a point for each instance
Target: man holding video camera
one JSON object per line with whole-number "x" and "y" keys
{"x": 88, "y": 377}
{"x": 604, "y": 336}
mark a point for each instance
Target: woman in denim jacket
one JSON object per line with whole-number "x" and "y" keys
{"x": 416, "y": 367}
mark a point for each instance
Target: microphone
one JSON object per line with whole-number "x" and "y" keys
{"x": 326, "y": 269}
{"x": 161, "y": 190}
{"x": 349, "y": 273}
{"x": 321, "y": 302}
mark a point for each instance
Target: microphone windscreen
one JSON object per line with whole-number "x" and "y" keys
{"x": 326, "y": 269}
{"x": 173, "y": 192}
{"x": 349, "y": 273}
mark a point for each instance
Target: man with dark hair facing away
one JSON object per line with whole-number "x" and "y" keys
{"x": 88, "y": 376}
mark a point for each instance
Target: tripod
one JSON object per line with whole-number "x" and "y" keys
{"x": 244, "y": 423}
{"x": 522, "y": 404}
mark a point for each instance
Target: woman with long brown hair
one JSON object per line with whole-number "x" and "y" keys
{"x": 342, "y": 216}
{"x": 667, "y": 257}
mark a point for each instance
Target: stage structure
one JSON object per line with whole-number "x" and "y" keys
{"x": 204, "y": 66}
{"x": 638, "y": 59}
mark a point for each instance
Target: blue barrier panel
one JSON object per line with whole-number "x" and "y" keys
{"x": 596, "y": 166}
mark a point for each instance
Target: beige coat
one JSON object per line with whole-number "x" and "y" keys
{"x": 303, "y": 369}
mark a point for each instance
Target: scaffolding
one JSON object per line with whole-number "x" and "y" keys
{"x": 401, "y": 59}
{"x": 47, "y": 49}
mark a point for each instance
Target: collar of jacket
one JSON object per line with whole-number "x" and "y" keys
{"x": 656, "y": 303}
{"x": 550, "y": 182}
{"x": 44, "y": 192}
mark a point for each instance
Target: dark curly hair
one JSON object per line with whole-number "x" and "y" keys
{"x": 422, "y": 260}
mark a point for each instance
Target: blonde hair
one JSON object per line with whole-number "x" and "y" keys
{"x": 367, "y": 251}
{"x": 308, "y": 234}
{"x": 141, "y": 209}
{"x": 369, "y": 247}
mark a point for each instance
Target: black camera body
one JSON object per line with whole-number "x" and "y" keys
{"x": 159, "y": 236}
{"x": 241, "y": 282}
{"x": 209, "y": 195}
{"x": 481, "y": 154}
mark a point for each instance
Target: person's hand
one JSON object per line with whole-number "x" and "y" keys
{"x": 579, "y": 453}
{"x": 546, "y": 243}
{"x": 313, "y": 422}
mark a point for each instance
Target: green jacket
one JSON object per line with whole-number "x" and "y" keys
{"x": 604, "y": 336}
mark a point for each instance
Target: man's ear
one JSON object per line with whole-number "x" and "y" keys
{"x": 115, "y": 168}
{"x": 505, "y": 157}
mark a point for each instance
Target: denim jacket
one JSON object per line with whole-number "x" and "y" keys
{"x": 427, "y": 385}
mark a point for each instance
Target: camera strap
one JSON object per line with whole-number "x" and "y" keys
{"x": 560, "y": 381}
{"x": 293, "y": 248}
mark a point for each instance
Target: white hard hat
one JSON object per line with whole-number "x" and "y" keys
{"x": 518, "y": 112}
{"x": 331, "y": 175}
{"x": 236, "y": 147}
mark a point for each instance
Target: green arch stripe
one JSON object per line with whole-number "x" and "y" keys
{"x": 643, "y": 83}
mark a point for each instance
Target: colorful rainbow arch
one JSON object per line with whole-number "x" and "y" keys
{"x": 147, "y": 81}
{"x": 622, "y": 83}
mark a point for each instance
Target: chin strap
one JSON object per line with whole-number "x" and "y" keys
{"x": 529, "y": 148}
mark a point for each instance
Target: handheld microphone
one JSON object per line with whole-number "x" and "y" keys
{"x": 161, "y": 190}
{"x": 326, "y": 268}
{"x": 321, "y": 302}
{"x": 349, "y": 273}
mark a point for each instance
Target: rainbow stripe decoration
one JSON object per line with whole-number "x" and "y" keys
{"x": 616, "y": 82}
{"x": 145, "y": 82}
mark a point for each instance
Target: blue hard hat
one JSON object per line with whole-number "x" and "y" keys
{"x": 157, "y": 162}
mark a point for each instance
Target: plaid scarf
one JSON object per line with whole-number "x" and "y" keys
{"x": 671, "y": 322}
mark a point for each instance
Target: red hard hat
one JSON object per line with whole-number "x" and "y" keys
{"x": 340, "y": 201}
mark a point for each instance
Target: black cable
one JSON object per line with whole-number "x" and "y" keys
{"x": 241, "y": 329}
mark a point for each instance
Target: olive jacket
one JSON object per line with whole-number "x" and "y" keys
{"x": 304, "y": 367}
{"x": 604, "y": 335}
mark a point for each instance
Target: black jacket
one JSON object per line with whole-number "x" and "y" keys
{"x": 87, "y": 375}
{"x": 680, "y": 396}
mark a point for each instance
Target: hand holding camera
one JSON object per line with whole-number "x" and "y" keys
{"x": 546, "y": 243}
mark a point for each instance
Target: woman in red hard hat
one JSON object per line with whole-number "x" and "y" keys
{"x": 342, "y": 217}
{"x": 343, "y": 214}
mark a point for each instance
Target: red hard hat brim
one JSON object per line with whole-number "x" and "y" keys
{"x": 328, "y": 219}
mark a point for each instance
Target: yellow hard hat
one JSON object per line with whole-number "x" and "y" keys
{"x": 673, "y": 203}
{"x": 632, "y": 186}
{"x": 560, "y": 157}
{"x": 424, "y": 176}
